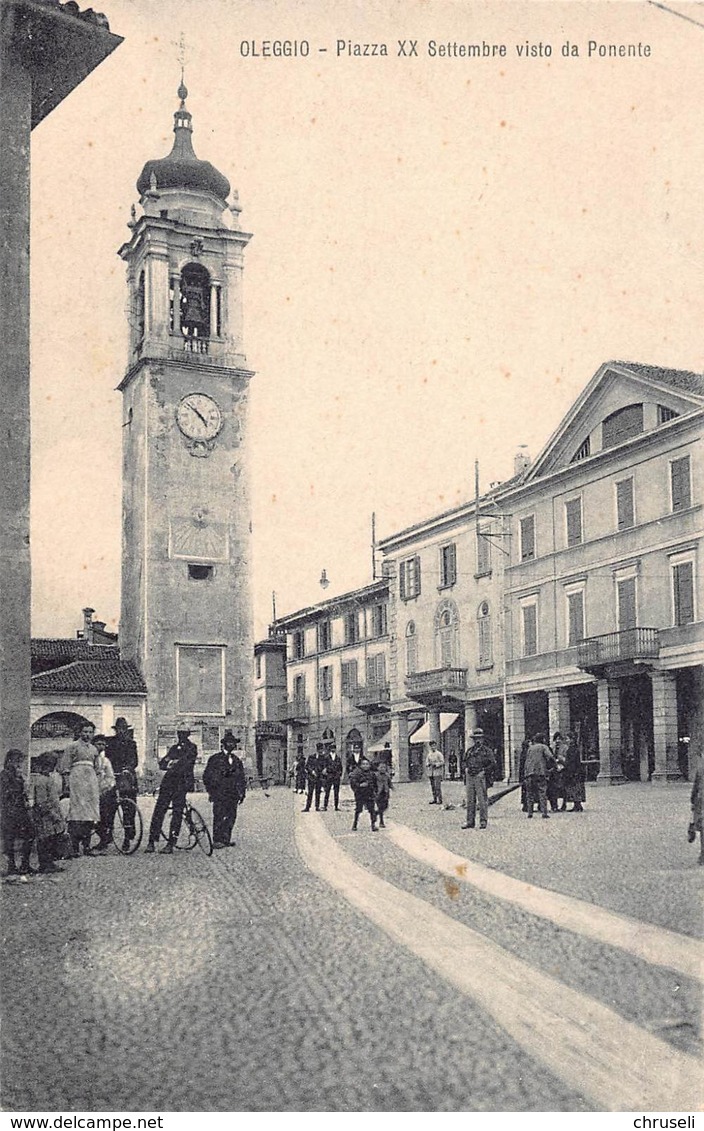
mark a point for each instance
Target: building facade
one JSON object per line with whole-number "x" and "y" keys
{"x": 269, "y": 697}
{"x": 186, "y": 620}
{"x": 337, "y": 673}
{"x": 604, "y": 586}
{"x": 84, "y": 679}
{"x": 46, "y": 50}
{"x": 569, "y": 597}
{"x": 446, "y": 632}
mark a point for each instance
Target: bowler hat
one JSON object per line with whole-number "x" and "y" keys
{"x": 120, "y": 724}
{"x": 182, "y": 730}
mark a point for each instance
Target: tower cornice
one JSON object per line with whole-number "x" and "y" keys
{"x": 235, "y": 372}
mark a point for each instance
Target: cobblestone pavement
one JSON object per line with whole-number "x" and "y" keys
{"x": 243, "y": 983}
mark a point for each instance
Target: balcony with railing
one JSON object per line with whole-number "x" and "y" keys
{"x": 441, "y": 687}
{"x": 632, "y": 645}
{"x": 294, "y": 711}
{"x": 373, "y": 698}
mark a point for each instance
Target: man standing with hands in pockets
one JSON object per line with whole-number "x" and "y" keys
{"x": 224, "y": 780}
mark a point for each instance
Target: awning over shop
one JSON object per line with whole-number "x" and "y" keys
{"x": 423, "y": 732}
{"x": 378, "y": 746}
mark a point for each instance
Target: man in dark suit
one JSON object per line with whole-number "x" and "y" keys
{"x": 121, "y": 752}
{"x": 178, "y": 762}
{"x": 315, "y": 765}
{"x": 224, "y": 780}
{"x": 333, "y": 776}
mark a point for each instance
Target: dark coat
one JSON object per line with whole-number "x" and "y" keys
{"x": 478, "y": 758}
{"x": 315, "y": 766}
{"x": 363, "y": 782}
{"x": 121, "y": 753}
{"x": 334, "y": 770}
{"x": 224, "y": 777}
{"x": 15, "y": 812}
{"x": 179, "y": 762}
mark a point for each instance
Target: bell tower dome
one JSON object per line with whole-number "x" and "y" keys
{"x": 186, "y": 606}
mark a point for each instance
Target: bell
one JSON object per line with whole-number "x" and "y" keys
{"x": 194, "y": 313}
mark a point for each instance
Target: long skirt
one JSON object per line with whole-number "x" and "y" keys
{"x": 84, "y": 795}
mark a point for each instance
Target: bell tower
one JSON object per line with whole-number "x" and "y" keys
{"x": 186, "y": 604}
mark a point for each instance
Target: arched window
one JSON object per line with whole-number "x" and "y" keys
{"x": 411, "y": 648}
{"x": 195, "y": 301}
{"x": 140, "y": 308}
{"x": 484, "y": 643}
{"x": 447, "y": 634}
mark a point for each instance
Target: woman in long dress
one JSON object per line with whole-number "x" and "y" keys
{"x": 78, "y": 770}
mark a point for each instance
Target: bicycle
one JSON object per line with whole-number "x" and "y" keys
{"x": 127, "y": 816}
{"x": 194, "y": 830}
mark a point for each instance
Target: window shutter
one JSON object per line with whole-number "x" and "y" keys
{"x": 371, "y": 670}
{"x": 530, "y": 634}
{"x": 483, "y": 553}
{"x": 575, "y": 606}
{"x": 417, "y": 572}
{"x": 573, "y": 512}
{"x": 527, "y": 538}
{"x": 624, "y": 504}
{"x": 402, "y": 581}
{"x": 683, "y": 580}
{"x": 627, "y": 604}
{"x": 681, "y": 494}
{"x": 381, "y": 669}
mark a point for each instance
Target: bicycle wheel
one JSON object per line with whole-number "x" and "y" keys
{"x": 199, "y": 830}
{"x": 127, "y": 816}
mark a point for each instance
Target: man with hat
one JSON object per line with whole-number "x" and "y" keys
{"x": 477, "y": 762}
{"x": 178, "y": 762}
{"x": 224, "y": 779}
{"x": 332, "y": 777}
{"x": 121, "y": 752}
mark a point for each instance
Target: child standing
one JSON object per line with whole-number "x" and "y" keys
{"x": 16, "y": 814}
{"x": 49, "y": 824}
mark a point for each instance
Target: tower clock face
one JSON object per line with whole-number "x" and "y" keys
{"x": 199, "y": 417}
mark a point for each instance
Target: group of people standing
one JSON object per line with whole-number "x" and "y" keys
{"x": 85, "y": 773}
{"x": 320, "y": 774}
{"x": 551, "y": 775}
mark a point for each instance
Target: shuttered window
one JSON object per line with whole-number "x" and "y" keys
{"x": 680, "y": 484}
{"x": 530, "y": 630}
{"x": 683, "y": 592}
{"x": 351, "y": 627}
{"x": 484, "y": 635}
{"x": 627, "y": 615}
{"x": 299, "y": 644}
{"x": 326, "y": 683}
{"x": 324, "y": 636}
{"x": 448, "y": 565}
{"x": 348, "y": 676}
{"x": 483, "y": 554}
{"x": 299, "y": 688}
{"x": 573, "y": 520}
{"x": 376, "y": 670}
{"x": 625, "y": 505}
{"x": 575, "y": 617}
{"x": 621, "y": 425}
{"x": 409, "y": 578}
{"x": 379, "y": 620}
{"x": 527, "y": 538}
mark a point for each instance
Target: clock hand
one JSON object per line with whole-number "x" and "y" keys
{"x": 199, "y": 415}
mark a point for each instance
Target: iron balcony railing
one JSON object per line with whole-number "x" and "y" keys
{"x": 294, "y": 710}
{"x": 373, "y": 695}
{"x": 614, "y": 647}
{"x": 439, "y": 681}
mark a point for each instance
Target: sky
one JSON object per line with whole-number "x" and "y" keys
{"x": 445, "y": 250}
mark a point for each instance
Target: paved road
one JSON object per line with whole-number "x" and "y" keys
{"x": 245, "y": 982}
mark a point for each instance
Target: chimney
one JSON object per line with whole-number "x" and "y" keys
{"x": 88, "y": 625}
{"x": 521, "y": 460}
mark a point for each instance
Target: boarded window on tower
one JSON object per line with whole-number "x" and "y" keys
{"x": 200, "y": 679}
